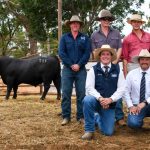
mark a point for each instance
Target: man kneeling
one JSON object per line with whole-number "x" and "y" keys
{"x": 137, "y": 94}
{"x": 105, "y": 84}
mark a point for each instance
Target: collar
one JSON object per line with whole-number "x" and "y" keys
{"x": 102, "y": 65}
{"x": 70, "y": 34}
{"x": 143, "y": 32}
{"x": 147, "y": 71}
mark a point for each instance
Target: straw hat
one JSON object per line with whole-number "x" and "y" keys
{"x": 74, "y": 18}
{"x": 97, "y": 52}
{"x": 105, "y": 14}
{"x": 143, "y": 53}
{"x": 135, "y": 17}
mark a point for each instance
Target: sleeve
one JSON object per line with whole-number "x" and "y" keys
{"x": 128, "y": 89}
{"x": 93, "y": 42}
{"x": 119, "y": 41}
{"x": 62, "y": 52}
{"x": 125, "y": 49}
{"x": 120, "y": 87}
{"x": 90, "y": 84}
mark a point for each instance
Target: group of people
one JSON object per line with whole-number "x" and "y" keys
{"x": 100, "y": 92}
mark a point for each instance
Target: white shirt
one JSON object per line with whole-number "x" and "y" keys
{"x": 90, "y": 85}
{"x": 133, "y": 81}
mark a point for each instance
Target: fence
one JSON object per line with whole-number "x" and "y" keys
{"x": 26, "y": 89}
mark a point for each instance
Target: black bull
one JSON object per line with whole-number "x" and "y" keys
{"x": 32, "y": 71}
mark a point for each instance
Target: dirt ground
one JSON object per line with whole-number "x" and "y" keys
{"x": 30, "y": 124}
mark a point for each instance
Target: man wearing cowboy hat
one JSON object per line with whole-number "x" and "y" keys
{"x": 107, "y": 35}
{"x": 137, "y": 94}
{"x": 104, "y": 86}
{"x": 74, "y": 51}
{"x": 134, "y": 43}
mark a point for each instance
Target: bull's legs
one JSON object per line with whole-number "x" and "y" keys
{"x": 46, "y": 88}
{"x": 9, "y": 88}
{"x": 57, "y": 83}
{"x": 15, "y": 88}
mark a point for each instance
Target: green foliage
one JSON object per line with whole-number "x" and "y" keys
{"x": 42, "y": 15}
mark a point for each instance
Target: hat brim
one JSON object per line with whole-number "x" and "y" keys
{"x": 129, "y": 21}
{"x": 135, "y": 59}
{"x": 100, "y": 18}
{"x": 67, "y": 22}
{"x": 97, "y": 52}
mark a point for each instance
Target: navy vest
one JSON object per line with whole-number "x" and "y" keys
{"x": 106, "y": 86}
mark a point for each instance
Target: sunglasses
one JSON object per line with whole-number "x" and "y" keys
{"x": 106, "y": 19}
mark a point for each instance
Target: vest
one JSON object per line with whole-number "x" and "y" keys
{"x": 106, "y": 86}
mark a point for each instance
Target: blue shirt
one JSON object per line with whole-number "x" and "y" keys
{"x": 113, "y": 39}
{"x": 74, "y": 51}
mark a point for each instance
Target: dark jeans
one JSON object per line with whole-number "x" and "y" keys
{"x": 119, "y": 114}
{"x": 95, "y": 114}
{"x": 136, "y": 121}
{"x": 69, "y": 78}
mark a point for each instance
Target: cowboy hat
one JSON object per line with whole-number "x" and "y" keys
{"x": 135, "y": 17}
{"x": 143, "y": 53}
{"x": 98, "y": 51}
{"x": 74, "y": 18}
{"x": 105, "y": 14}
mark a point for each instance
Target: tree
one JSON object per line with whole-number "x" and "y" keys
{"x": 88, "y": 10}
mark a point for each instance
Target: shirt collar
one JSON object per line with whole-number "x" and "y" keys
{"x": 109, "y": 65}
{"x": 147, "y": 71}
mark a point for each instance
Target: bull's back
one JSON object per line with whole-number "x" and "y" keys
{"x": 33, "y": 70}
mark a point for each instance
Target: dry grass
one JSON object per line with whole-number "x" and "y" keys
{"x": 29, "y": 124}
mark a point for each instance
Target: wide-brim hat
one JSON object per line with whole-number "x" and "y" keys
{"x": 74, "y": 18}
{"x": 135, "y": 17}
{"x": 143, "y": 53}
{"x": 98, "y": 51}
{"x": 105, "y": 13}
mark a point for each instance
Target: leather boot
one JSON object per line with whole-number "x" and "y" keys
{"x": 88, "y": 136}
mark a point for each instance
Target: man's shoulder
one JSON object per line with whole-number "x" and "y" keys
{"x": 133, "y": 72}
{"x": 127, "y": 37}
{"x": 94, "y": 33}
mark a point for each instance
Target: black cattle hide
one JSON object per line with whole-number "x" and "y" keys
{"x": 32, "y": 71}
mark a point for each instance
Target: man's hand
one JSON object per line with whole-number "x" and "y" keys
{"x": 105, "y": 102}
{"x": 75, "y": 67}
{"x": 141, "y": 106}
{"x": 133, "y": 110}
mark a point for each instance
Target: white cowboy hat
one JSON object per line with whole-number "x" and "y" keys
{"x": 135, "y": 17}
{"x": 105, "y": 14}
{"x": 74, "y": 18}
{"x": 97, "y": 52}
{"x": 143, "y": 53}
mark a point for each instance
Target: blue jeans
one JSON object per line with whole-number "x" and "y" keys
{"x": 106, "y": 121}
{"x": 119, "y": 114}
{"x": 136, "y": 121}
{"x": 68, "y": 78}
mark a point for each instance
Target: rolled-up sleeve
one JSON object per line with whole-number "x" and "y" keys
{"x": 120, "y": 87}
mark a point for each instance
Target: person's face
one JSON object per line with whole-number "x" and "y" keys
{"x": 105, "y": 57}
{"x": 75, "y": 26}
{"x": 105, "y": 22}
{"x": 136, "y": 24}
{"x": 144, "y": 63}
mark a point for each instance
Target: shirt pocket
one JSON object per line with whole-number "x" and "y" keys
{"x": 69, "y": 44}
{"x": 99, "y": 43}
{"x": 82, "y": 44}
{"x": 114, "y": 42}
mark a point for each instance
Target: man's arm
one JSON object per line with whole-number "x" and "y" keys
{"x": 125, "y": 70}
{"x": 120, "y": 87}
{"x": 90, "y": 85}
